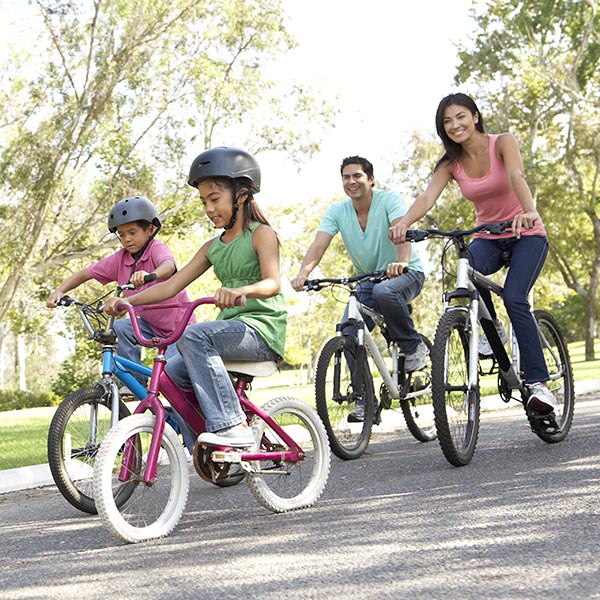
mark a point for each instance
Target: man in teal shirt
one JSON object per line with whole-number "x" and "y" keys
{"x": 363, "y": 220}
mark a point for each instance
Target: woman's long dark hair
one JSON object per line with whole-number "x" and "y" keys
{"x": 453, "y": 151}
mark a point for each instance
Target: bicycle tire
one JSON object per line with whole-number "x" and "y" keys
{"x": 283, "y": 486}
{"x": 338, "y": 393}
{"x": 455, "y": 406}
{"x": 80, "y": 422}
{"x": 418, "y": 409}
{"x": 153, "y": 510}
{"x": 561, "y": 383}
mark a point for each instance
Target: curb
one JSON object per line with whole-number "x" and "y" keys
{"x": 22, "y": 478}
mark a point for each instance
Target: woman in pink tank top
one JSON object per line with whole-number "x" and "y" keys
{"x": 489, "y": 171}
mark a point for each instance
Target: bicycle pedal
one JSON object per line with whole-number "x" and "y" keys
{"x": 226, "y": 456}
{"x": 544, "y": 423}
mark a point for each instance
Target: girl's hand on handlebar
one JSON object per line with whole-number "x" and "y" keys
{"x": 396, "y": 269}
{"x": 524, "y": 221}
{"x": 110, "y": 307}
{"x": 228, "y": 298}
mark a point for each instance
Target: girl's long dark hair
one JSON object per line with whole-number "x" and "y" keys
{"x": 452, "y": 150}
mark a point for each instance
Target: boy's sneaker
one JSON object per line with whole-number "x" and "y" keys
{"x": 418, "y": 359}
{"x": 238, "y": 436}
{"x": 484, "y": 345}
{"x": 541, "y": 399}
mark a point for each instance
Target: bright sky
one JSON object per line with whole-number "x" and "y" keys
{"x": 390, "y": 61}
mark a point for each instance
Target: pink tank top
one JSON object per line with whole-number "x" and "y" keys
{"x": 491, "y": 195}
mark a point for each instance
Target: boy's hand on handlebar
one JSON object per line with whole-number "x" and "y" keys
{"x": 53, "y": 298}
{"x": 228, "y": 298}
{"x": 524, "y": 221}
{"x": 110, "y": 308}
{"x": 138, "y": 278}
{"x": 396, "y": 269}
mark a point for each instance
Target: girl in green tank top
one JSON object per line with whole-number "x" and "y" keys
{"x": 245, "y": 258}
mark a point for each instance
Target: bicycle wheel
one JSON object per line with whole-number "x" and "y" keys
{"x": 77, "y": 428}
{"x": 561, "y": 381}
{"x": 339, "y": 393}
{"x": 417, "y": 406}
{"x": 455, "y": 406}
{"x": 153, "y": 509}
{"x": 279, "y": 485}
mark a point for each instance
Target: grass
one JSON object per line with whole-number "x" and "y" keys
{"x": 23, "y": 433}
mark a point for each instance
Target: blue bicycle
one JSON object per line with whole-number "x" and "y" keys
{"x": 84, "y": 417}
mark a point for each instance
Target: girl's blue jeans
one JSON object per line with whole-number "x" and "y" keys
{"x": 527, "y": 256}
{"x": 203, "y": 348}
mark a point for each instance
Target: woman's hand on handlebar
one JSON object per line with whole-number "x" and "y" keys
{"x": 524, "y": 221}
{"x": 397, "y": 232}
{"x": 229, "y": 297}
{"x": 110, "y": 307}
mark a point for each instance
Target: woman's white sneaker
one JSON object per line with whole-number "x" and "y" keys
{"x": 541, "y": 399}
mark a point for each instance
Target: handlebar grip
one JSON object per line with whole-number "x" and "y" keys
{"x": 150, "y": 277}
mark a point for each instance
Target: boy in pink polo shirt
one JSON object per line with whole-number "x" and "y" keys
{"x": 136, "y": 222}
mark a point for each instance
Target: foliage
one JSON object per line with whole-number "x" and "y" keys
{"x": 20, "y": 399}
{"x": 103, "y": 101}
{"x": 535, "y": 68}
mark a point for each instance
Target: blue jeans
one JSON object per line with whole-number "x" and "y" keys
{"x": 527, "y": 257}
{"x": 391, "y": 298}
{"x": 199, "y": 365}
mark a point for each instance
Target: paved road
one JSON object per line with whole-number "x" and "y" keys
{"x": 521, "y": 521}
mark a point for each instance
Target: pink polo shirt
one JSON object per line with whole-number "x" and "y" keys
{"x": 492, "y": 196}
{"x": 118, "y": 268}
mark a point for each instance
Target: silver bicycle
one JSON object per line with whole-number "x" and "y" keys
{"x": 456, "y": 367}
{"x": 344, "y": 381}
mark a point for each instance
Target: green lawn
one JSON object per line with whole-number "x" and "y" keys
{"x": 23, "y": 433}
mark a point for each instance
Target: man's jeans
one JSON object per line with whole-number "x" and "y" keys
{"x": 528, "y": 255}
{"x": 391, "y": 298}
{"x": 199, "y": 365}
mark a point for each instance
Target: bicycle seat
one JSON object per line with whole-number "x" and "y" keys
{"x": 261, "y": 368}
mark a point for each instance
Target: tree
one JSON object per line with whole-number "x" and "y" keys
{"x": 533, "y": 67}
{"x": 104, "y": 106}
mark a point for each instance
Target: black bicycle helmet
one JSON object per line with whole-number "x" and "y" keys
{"x": 134, "y": 208}
{"x": 225, "y": 161}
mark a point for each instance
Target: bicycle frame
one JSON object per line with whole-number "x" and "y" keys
{"x": 185, "y": 403}
{"x": 466, "y": 278}
{"x": 356, "y": 310}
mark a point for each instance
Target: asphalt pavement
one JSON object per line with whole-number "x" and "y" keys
{"x": 521, "y": 521}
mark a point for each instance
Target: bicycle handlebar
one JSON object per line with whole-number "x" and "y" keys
{"x": 418, "y": 235}
{"x": 315, "y": 285}
{"x": 177, "y": 332}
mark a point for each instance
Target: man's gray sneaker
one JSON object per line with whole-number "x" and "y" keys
{"x": 418, "y": 359}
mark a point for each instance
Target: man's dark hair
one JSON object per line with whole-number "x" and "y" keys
{"x": 367, "y": 167}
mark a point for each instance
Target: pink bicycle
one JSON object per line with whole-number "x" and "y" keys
{"x": 141, "y": 459}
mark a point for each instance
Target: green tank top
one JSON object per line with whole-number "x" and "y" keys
{"x": 235, "y": 265}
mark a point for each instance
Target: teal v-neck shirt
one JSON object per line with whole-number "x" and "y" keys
{"x": 371, "y": 249}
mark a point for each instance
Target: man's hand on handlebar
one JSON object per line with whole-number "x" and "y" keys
{"x": 396, "y": 269}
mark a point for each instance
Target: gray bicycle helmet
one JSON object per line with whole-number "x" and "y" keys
{"x": 225, "y": 161}
{"x": 134, "y": 208}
